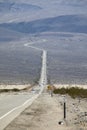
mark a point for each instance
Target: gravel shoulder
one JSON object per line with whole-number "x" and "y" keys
{"x": 46, "y": 112}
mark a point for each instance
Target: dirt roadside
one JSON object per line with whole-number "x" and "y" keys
{"x": 46, "y": 112}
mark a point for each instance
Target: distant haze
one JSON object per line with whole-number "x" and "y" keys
{"x": 58, "y": 26}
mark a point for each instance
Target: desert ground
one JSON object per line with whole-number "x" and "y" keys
{"x": 47, "y": 112}
{"x": 19, "y": 87}
{"x": 60, "y": 28}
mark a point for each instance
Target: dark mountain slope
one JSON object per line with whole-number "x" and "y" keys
{"x": 65, "y": 23}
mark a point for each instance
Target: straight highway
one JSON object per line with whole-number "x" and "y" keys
{"x": 11, "y": 105}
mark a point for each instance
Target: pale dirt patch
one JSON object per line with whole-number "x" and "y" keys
{"x": 14, "y": 86}
{"x": 84, "y": 86}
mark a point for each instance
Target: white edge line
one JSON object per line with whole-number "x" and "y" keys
{"x": 31, "y": 99}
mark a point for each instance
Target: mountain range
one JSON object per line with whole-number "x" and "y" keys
{"x": 64, "y": 23}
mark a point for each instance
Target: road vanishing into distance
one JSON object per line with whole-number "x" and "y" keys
{"x": 11, "y": 105}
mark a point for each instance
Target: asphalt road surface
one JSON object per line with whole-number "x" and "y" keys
{"x": 12, "y": 105}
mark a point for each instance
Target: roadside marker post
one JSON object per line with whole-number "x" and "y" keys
{"x": 64, "y": 110}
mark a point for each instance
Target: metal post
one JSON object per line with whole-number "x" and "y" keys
{"x": 64, "y": 110}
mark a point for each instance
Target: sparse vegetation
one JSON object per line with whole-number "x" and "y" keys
{"x": 9, "y": 90}
{"x": 5, "y": 90}
{"x": 73, "y": 92}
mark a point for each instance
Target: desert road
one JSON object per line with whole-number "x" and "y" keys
{"x": 11, "y": 105}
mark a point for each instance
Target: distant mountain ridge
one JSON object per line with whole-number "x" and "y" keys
{"x": 64, "y": 23}
{"x": 17, "y": 7}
